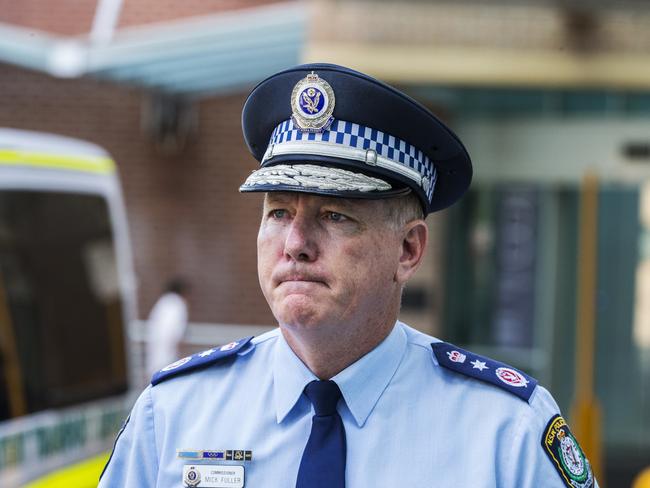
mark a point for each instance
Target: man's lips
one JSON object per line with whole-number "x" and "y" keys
{"x": 300, "y": 287}
{"x": 301, "y": 278}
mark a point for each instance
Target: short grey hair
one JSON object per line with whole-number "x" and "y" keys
{"x": 403, "y": 209}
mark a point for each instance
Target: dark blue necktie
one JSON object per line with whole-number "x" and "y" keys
{"x": 323, "y": 462}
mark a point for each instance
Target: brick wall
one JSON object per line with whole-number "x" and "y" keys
{"x": 74, "y": 17}
{"x": 64, "y": 17}
{"x": 185, "y": 214}
{"x": 137, "y": 12}
{"x": 615, "y": 27}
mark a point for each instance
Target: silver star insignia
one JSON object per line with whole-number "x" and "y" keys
{"x": 480, "y": 365}
{"x": 207, "y": 353}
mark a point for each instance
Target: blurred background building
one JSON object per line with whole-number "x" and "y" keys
{"x": 541, "y": 92}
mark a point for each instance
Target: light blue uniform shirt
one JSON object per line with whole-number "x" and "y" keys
{"x": 409, "y": 422}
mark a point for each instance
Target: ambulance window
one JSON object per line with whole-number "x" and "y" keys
{"x": 61, "y": 326}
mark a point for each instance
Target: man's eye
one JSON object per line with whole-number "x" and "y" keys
{"x": 336, "y": 217}
{"x": 278, "y": 213}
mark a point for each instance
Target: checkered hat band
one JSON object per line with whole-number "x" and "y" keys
{"x": 357, "y": 136}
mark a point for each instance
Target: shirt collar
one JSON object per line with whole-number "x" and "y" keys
{"x": 361, "y": 383}
{"x": 290, "y": 376}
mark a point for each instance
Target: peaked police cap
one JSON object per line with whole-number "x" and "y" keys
{"x": 330, "y": 130}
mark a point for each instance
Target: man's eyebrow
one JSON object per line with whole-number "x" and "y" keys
{"x": 345, "y": 203}
{"x": 276, "y": 198}
{"x": 350, "y": 204}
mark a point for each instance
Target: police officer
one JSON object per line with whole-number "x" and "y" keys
{"x": 342, "y": 394}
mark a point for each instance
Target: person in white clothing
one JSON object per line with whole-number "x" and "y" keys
{"x": 166, "y": 326}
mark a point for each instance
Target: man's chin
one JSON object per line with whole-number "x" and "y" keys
{"x": 304, "y": 310}
{"x": 299, "y": 317}
{"x": 300, "y": 322}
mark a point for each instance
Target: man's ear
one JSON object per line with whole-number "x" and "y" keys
{"x": 414, "y": 243}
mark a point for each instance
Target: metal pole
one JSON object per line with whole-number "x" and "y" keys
{"x": 586, "y": 413}
{"x": 105, "y": 20}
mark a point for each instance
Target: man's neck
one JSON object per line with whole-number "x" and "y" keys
{"x": 327, "y": 353}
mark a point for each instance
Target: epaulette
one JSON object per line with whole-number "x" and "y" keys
{"x": 484, "y": 369}
{"x": 199, "y": 360}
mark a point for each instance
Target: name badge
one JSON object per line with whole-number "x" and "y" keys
{"x": 213, "y": 476}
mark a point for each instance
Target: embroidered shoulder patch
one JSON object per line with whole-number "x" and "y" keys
{"x": 484, "y": 369}
{"x": 566, "y": 455}
{"x": 199, "y": 360}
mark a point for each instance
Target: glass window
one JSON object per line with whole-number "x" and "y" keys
{"x": 61, "y": 325}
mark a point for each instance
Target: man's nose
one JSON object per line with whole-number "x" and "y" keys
{"x": 300, "y": 243}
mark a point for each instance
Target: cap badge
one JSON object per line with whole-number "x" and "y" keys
{"x": 312, "y": 104}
